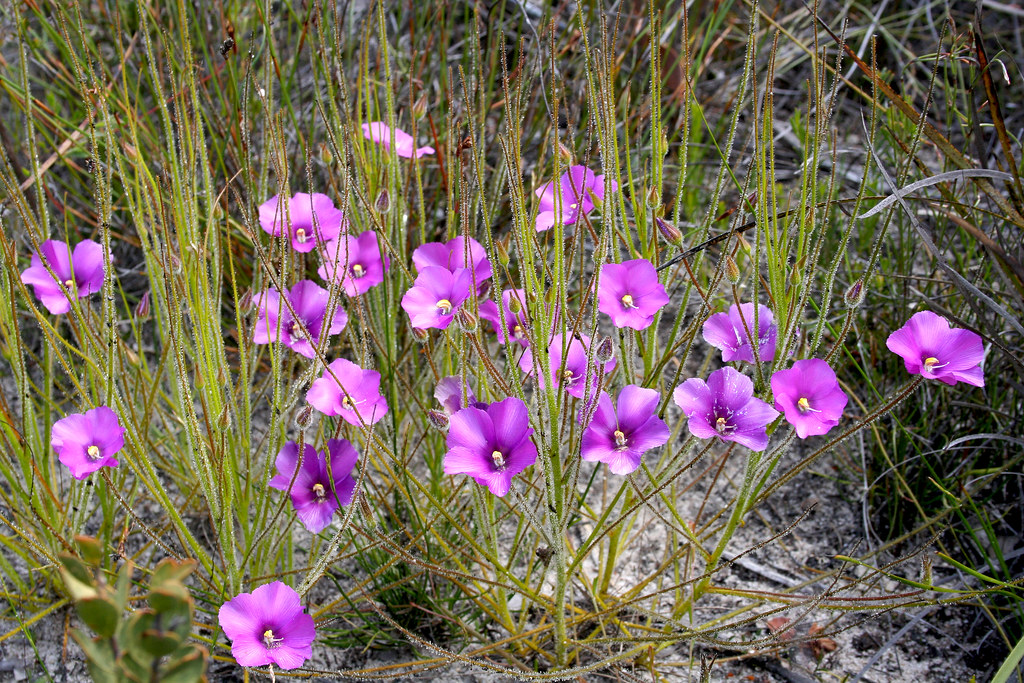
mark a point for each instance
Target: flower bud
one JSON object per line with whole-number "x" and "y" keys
{"x": 669, "y": 232}
{"x": 383, "y": 201}
{"x": 514, "y": 304}
{"x": 420, "y": 107}
{"x": 653, "y": 200}
{"x": 420, "y": 335}
{"x": 142, "y": 308}
{"x": 855, "y": 294}
{"x": 175, "y": 263}
{"x": 438, "y": 420}
{"x": 224, "y": 419}
{"x": 732, "y": 271}
{"x": 605, "y": 351}
{"x": 304, "y": 418}
{"x": 466, "y": 320}
{"x": 326, "y": 154}
{"x": 503, "y": 258}
{"x": 565, "y": 153}
{"x": 245, "y": 301}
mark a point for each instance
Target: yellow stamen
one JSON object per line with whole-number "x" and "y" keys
{"x": 300, "y": 235}
{"x": 270, "y": 641}
{"x": 931, "y": 362}
{"x": 627, "y": 301}
{"x": 358, "y": 270}
{"x": 347, "y": 403}
{"x": 620, "y": 439}
{"x": 70, "y": 284}
{"x": 499, "y": 459}
{"x": 318, "y": 491}
{"x": 297, "y": 332}
{"x": 804, "y": 405}
{"x": 517, "y": 331}
{"x": 444, "y": 306}
{"x": 93, "y": 452}
{"x": 721, "y": 425}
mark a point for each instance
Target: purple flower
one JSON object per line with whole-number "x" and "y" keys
{"x": 318, "y": 490}
{"x": 78, "y": 274}
{"x": 725, "y": 407}
{"x": 621, "y": 437}
{"x": 728, "y": 332}
{"x": 311, "y": 218}
{"x": 492, "y": 444}
{"x": 436, "y": 296}
{"x": 87, "y": 441}
{"x": 515, "y": 323}
{"x": 630, "y": 293}
{"x": 809, "y": 395}
{"x": 573, "y": 377}
{"x": 449, "y": 394}
{"x": 346, "y": 390}
{"x": 275, "y": 322}
{"x": 930, "y": 348}
{"x": 452, "y": 256}
{"x": 405, "y": 145}
{"x": 268, "y": 626}
{"x": 577, "y": 188}
{"x": 356, "y": 261}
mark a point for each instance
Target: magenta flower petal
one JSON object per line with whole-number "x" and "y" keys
{"x": 620, "y": 437}
{"x": 355, "y": 261}
{"x": 452, "y": 256}
{"x": 449, "y": 394}
{"x": 728, "y": 332}
{"x": 515, "y": 323}
{"x": 572, "y": 195}
{"x": 268, "y": 626}
{"x": 88, "y": 441}
{"x": 311, "y": 219}
{"x": 809, "y": 395}
{"x": 275, "y": 321}
{"x": 79, "y": 274}
{"x": 572, "y": 376}
{"x": 725, "y": 407}
{"x": 630, "y": 293}
{"x": 405, "y": 145}
{"x": 436, "y": 296}
{"x": 348, "y": 391}
{"x": 491, "y": 445}
{"x": 930, "y": 348}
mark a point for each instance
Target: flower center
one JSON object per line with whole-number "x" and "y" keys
{"x": 620, "y": 439}
{"x": 318, "y": 491}
{"x": 444, "y": 306}
{"x": 932, "y": 363}
{"x": 300, "y": 235}
{"x": 93, "y": 452}
{"x": 296, "y": 331}
{"x": 270, "y": 641}
{"x": 803, "y": 404}
{"x": 358, "y": 270}
{"x": 347, "y": 403}
{"x": 722, "y": 426}
{"x": 70, "y": 284}
{"x": 517, "y": 331}
{"x": 568, "y": 379}
{"x": 499, "y": 459}
{"x": 627, "y": 301}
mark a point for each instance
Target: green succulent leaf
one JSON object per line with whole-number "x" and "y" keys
{"x": 100, "y": 614}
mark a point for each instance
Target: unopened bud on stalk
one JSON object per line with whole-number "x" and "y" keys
{"x": 653, "y": 198}
{"x": 142, "y": 308}
{"x": 420, "y": 107}
{"x": 669, "y": 232}
{"x": 514, "y": 304}
{"x": 420, "y": 335}
{"x": 732, "y": 271}
{"x": 175, "y": 263}
{"x": 605, "y": 351}
{"x": 466, "y": 320}
{"x": 438, "y": 420}
{"x": 304, "y": 418}
{"x": 565, "y": 153}
{"x": 224, "y": 419}
{"x": 217, "y": 212}
{"x": 383, "y": 201}
{"x": 664, "y": 143}
{"x": 245, "y": 301}
{"x": 325, "y": 153}
{"x": 502, "y": 253}
{"x": 855, "y": 294}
